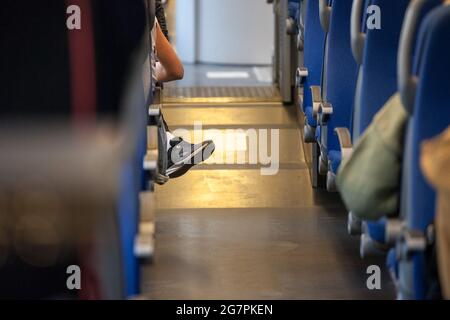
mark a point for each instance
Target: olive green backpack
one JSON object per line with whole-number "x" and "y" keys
{"x": 369, "y": 179}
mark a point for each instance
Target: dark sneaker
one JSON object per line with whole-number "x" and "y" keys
{"x": 182, "y": 156}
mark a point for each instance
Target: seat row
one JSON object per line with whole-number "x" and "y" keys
{"x": 79, "y": 148}
{"x": 357, "y": 54}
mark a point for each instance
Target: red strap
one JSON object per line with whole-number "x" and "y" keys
{"x": 82, "y": 65}
{"x": 90, "y": 279}
{"x": 83, "y": 105}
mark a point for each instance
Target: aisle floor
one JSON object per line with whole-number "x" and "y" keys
{"x": 225, "y": 231}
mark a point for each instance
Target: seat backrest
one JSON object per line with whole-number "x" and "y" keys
{"x": 314, "y": 39}
{"x": 378, "y": 76}
{"x": 34, "y": 60}
{"x": 118, "y": 41}
{"x": 49, "y": 71}
{"x": 340, "y": 75}
{"x": 430, "y": 116}
{"x": 43, "y": 62}
{"x": 293, "y": 6}
{"x": 123, "y": 27}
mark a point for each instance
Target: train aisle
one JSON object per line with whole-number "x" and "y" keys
{"x": 225, "y": 231}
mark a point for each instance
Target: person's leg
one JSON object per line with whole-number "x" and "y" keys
{"x": 165, "y": 123}
{"x": 181, "y": 155}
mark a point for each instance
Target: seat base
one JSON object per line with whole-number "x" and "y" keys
{"x": 323, "y": 166}
{"x": 309, "y": 134}
{"x": 354, "y": 225}
{"x": 370, "y": 247}
{"x": 331, "y": 182}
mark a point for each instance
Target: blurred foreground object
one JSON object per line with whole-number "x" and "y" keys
{"x": 436, "y": 166}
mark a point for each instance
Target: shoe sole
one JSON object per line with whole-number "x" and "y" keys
{"x": 180, "y": 168}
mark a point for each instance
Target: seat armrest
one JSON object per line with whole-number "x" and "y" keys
{"x": 345, "y": 141}
{"x": 291, "y": 27}
{"x": 150, "y": 162}
{"x": 324, "y": 113}
{"x": 412, "y": 241}
{"x": 144, "y": 239}
{"x": 154, "y": 118}
{"x": 154, "y": 114}
{"x": 394, "y": 230}
{"x": 316, "y": 94}
{"x": 300, "y": 75}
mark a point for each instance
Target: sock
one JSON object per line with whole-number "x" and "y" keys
{"x": 170, "y": 136}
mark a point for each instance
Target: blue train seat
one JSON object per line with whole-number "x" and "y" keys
{"x": 376, "y": 50}
{"x": 89, "y": 77}
{"x": 293, "y": 7}
{"x": 333, "y": 102}
{"x": 311, "y": 74}
{"x": 132, "y": 178}
{"x": 426, "y": 92}
{"x": 292, "y": 17}
{"x": 377, "y": 80}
